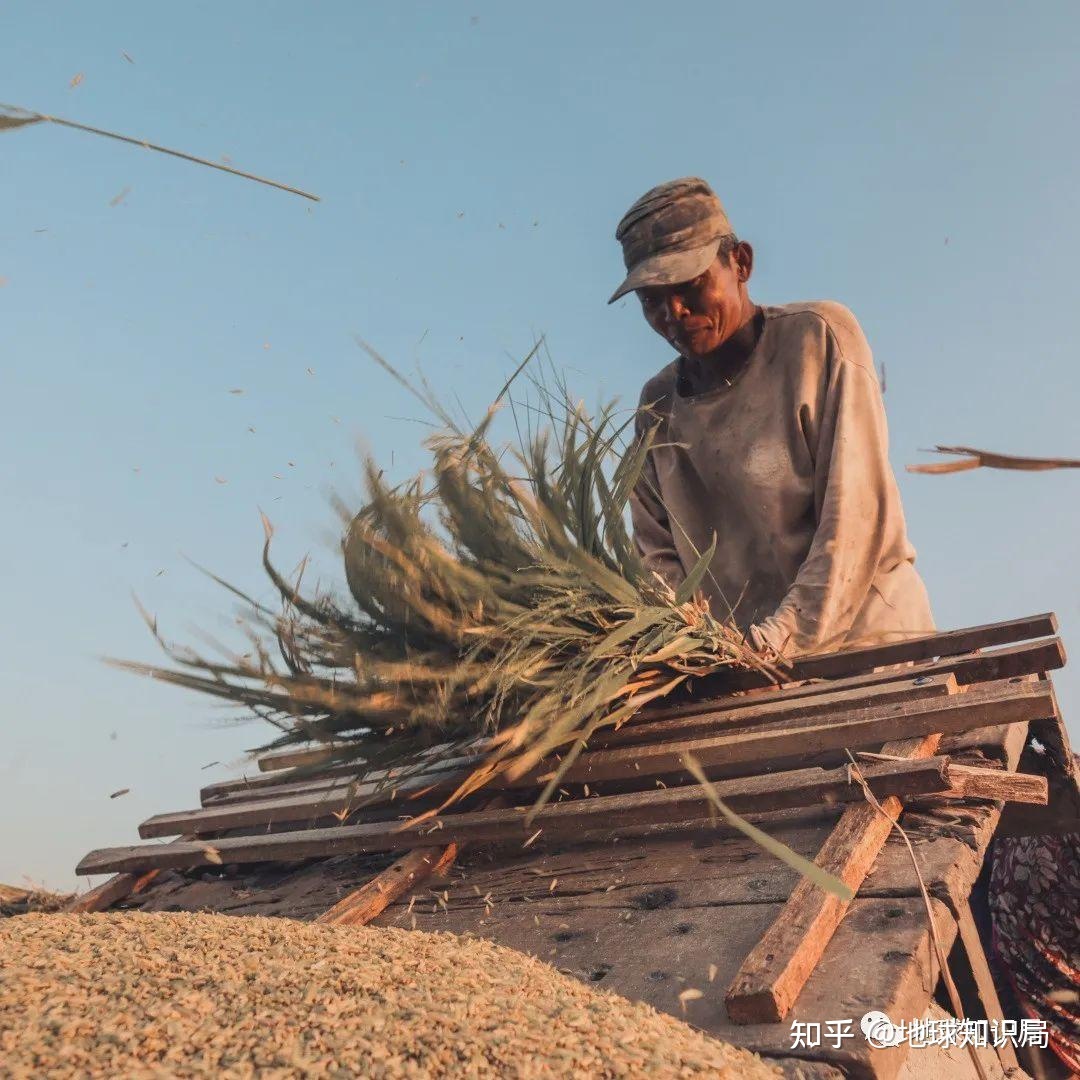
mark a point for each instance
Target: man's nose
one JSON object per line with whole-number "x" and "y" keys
{"x": 676, "y": 307}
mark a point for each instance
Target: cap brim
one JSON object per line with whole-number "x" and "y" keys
{"x": 668, "y": 268}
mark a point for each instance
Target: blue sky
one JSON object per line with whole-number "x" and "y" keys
{"x": 918, "y": 163}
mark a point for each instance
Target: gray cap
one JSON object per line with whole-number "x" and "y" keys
{"x": 671, "y": 234}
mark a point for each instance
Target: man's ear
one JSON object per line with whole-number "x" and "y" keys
{"x": 744, "y": 260}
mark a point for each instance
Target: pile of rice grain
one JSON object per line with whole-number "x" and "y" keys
{"x": 211, "y": 995}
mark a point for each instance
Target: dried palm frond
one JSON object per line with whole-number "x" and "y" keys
{"x": 498, "y": 604}
{"x": 12, "y": 116}
{"x": 971, "y": 458}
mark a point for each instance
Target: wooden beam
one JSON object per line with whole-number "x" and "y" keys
{"x": 969, "y": 782}
{"x": 773, "y": 708}
{"x": 983, "y": 980}
{"x": 1033, "y": 658}
{"x": 777, "y": 707}
{"x": 302, "y": 756}
{"x": 573, "y": 819}
{"x": 715, "y": 694}
{"x": 372, "y": 898}
{"x": 412, "y": 869}
{"x": 950, "y": 643}
{"x": 772, "y": 976}
{"x": 999, "y": 703}
{"x": 740, "y": 751}
{"x": 117, "y": 888}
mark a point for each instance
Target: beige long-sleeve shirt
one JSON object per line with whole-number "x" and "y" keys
{"x": 788, "y": 466}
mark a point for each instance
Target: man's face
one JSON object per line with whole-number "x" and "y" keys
{"x": 698, "y": 316}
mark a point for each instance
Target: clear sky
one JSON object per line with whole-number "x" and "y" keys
{"x": 917, "y": 162}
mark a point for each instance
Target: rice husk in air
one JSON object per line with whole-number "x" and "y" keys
{"x": 212, "y": 995}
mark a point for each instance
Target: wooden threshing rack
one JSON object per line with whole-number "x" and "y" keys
{"x": 627, "y": 880}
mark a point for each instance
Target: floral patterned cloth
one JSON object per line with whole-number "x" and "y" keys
{"x": 1035, "y": 907}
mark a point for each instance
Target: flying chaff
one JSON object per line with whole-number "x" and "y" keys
{"x": 12, "y": 116}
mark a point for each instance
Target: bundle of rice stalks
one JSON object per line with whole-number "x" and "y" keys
{"x": 498, "y": 603}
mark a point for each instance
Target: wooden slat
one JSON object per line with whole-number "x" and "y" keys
{"x": 298, "y": 757}
{"x": 950, "y": 643}
{"x": 372, "y": 898}
{"x": 1033, "y": 658}
{"x": 969, "y": 782}
{"x": 998, "y": 703}
{"x": 110, "y": 892}
{"x": 366, "y": 780}
{"x": 776, "y": 708}
{"x": 769, "y": 744}
{"x": 577, "y": 818}
{"x": 983, "y": 980}
{"x": 772, "y": 976}
{"x": 412, "y": 869}
{"x": 714, "y": 694}
{"x": 117, "y": 888}
{"x": 254, "y": 786}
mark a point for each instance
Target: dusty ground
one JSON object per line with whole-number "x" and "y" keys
{"x": 185, "y": 995}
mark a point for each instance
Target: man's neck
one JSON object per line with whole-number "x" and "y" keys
{"x": 724, "y": 363}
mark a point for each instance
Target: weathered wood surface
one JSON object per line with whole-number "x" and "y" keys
{"x": 771, "y": 977}
{"x": 1014, "y": 660}
{"x": 764, "y": 745}
{"x": 103, "y": 896}
{"x": 971, "y": 782}
{"x": 777, "y": 708}
{"x": 719, "y": 693}
{"x": 984, "y": 990}
{"x": 772, "y": 708}
{"x": 947, "y": 643}
{"x": 577, "y": 817}
{"x": 997, "y": 703}
{"x": 372, "y": 898}
{"x": 879, "y": 958}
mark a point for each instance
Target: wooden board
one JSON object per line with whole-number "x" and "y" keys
{"x": 764, "y": 745}
{"x": 771, "y": 977}
{"x": 1033, "y": 658}
{"x": 716, "y": 694}
{"x": 369, "y": 901}
{"x": 777, "y": 707}
{"x": 577, "y": 817}
{"x": 879, "y": 958}
{"x": 949, "y": 643}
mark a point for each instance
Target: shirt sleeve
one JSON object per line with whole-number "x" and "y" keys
{"x": 857, "y": 503}
{"x": 652, "y": 528}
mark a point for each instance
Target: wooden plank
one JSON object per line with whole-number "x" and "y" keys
{"x": 302, "y": 756}
{"x": 1032, "y": 658}
{"x": 765, "y": 744}
{"x": 950, "y": 643}
{"x": 969, "y": 782}
{"x": 878, "y": 959}
{"x": 791, "y": 702}
{"x": 998, "y": 703}
{"x": 260, "y": 786}
{"x": 775, "y": 708}
{"x": 772, "y": 976}
{"x": 982, "y": 979}
{"x": 110, "y": 892}
{"x": 575, "y": 818}
{"x": 804, "y": 787}
{"x": 372, "y": 898}
{"x": 715, "y": 694}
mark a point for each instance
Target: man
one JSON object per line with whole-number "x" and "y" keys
{"x": 769, "y": 433}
